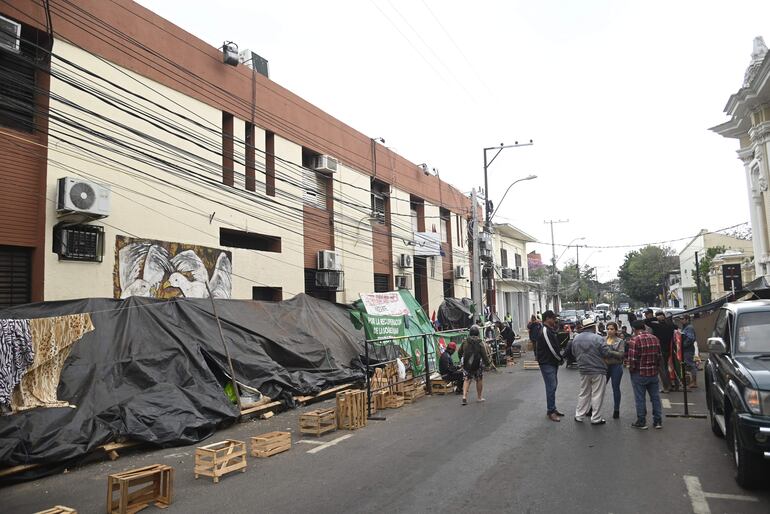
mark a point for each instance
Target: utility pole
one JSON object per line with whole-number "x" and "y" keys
{"x": 476, "y": 264}
{"x": 697, "y": 279}
{"x": 554, "y": 284}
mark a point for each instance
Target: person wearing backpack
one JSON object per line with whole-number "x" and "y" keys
{"x": 474, "y": 357}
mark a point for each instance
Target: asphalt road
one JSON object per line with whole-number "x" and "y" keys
{"x": 439, "y": 456}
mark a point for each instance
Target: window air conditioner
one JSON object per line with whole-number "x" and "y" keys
{"x": 10, "y": 35}
{"x": 460, "y": 272}
{"x": 403, "y": 281}
{"x": 329, "y": 260}
{"x": 325, "y": 164}
{"x": 329, "y": 279}
{"x": 405, "y": 260}
{"x": 83, "y": 196}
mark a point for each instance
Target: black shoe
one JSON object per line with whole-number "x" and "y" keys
{"x": 560, "y": 414}
{"x": 657, "y": 425}
{"x": 641, "y": 425}
{"x": 615, "y": 414}
{"x": 600, "y": 422}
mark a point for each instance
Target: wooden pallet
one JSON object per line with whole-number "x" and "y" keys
{"x": 394, "y": 400}
{"x": 326, "y": 393}
{"x": 269, "y": 444}
{"x": 414, "y": 394}
{"x": 260, "y": 408}
{"x": 139, "y": 487}
{"x": 351, "y": 409}
{"x": 59, "y": 509}
{"x": 441, "y": 386}
{"x": 217, "y": 459}
{"x": 318, "y": 422}
{"x": 531, "y": 365}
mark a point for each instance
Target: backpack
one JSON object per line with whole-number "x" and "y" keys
{"x": 472, "y": 356}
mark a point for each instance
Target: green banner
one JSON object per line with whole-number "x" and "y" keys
{"x": 383, "y": 327}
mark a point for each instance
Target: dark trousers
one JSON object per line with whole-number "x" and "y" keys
{"x": 665, "y": 379}
{"x": 551, "y": 380}
{"x": 614, "y": 374}
{"x": 642, "y": 387}
{"x": 456, "y": 377}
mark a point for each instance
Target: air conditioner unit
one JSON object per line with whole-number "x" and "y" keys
{"x": 461, "y": 272}
{"x": 10, "y": 35}
{"x": 507, "y": 273}
{"x": 329, "y": 279}
{"x": 84, "y": 197}
{"x": 329, "y": 260}
{"x": 403, "y": 281}
{"x": 325, "y": 164}
{"x": 405, "y": 260}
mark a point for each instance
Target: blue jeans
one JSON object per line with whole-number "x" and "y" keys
{"x": 614, "y": 374}
{"x": 551, "y": 381}
{"x": 651, "y": 386}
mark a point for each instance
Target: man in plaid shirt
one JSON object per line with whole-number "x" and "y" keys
{"x": 643, "y": 362}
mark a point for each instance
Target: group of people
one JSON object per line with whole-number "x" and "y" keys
{"x": 601, "y": 357}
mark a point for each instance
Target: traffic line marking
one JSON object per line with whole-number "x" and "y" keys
{"x": 329, "y": 444}
{"x": 307, "y": 441}
{"x": 698, "y": 498}
{"x": 679, "y": 403}
{"x": 666, "y": 403}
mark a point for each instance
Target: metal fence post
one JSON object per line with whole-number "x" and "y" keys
{"x": 429, "y": 389}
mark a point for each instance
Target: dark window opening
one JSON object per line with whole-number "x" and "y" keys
{"x": 15, "y": 276}
{"x": 381, "y": 283}
{"x": 379, "y": 199}
{"x": 79, "y": 243}
{"x": 249, "y": 240}
{"x": 449, "y": 288}
{"x": 503, "y": 257}
{"x": 316, "y": 292}
{"x": 267, "y": 294}
{"x": 270, "y": 163}
{"x": 228, "y": 167}
{"x": 250, "y": 182}
{"x": 517, "y": 257}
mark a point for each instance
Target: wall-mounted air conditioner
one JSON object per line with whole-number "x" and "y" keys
{"x": 329, "y": 260}
{"x": 77, "y": 196}
{"x": 507, "y": 273}
{"x": 461, "y": 272}
{"x": 403, "y": 281}
{"x": 405, "y": 260}
{"x": 10, "y": 35}
{"x": 325, "y": 164}
{"x": 329, "y": 279}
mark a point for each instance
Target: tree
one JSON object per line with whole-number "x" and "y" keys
{"x": 704, "y": 266}
{"x": 643, "y": 273}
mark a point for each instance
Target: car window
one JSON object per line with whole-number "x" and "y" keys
{"x": 719, "y": 325}
{"x": 753, "y": 332}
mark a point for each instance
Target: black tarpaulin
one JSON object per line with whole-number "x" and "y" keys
{"x": 455, "y": 313}
{"x": 152, "y": 370}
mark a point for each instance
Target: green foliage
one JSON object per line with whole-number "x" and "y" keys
{"x": 704, "y": 266}
{"x": 643, "y": 273}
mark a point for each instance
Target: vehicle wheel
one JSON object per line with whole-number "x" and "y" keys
{"x": 748, "y": 470}
{"x": 710, "y": 403}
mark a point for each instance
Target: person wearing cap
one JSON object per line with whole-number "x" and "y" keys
{"x": 657, "y": 326}
{"x": 549, "y": 358}
{"x": 590, "y": 351}
{"x": 449, "y": 371}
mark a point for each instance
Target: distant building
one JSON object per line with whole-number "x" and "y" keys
{"x": 512, "y": 282}
{"x": 730, "y": 271}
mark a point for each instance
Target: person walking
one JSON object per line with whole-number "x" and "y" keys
{"x": 590, "y": 350}
{"x": 688, "y": 349}
{"x": 550, "y": 358}
{"x": 643, "y": 364}
{"x": 474, "y": 357}
{"x": 615, "y": 365}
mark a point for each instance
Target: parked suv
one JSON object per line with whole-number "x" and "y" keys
{"x": 738, "y": 385}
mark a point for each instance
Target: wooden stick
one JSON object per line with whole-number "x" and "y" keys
{"x": 227, "y": 352}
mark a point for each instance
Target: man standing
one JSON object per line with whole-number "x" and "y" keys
{"x": 448, "y": 370}
{"x": 664, "y": 333}
{"x": 589, "y": 350}
{"x": 549, "y": 357}
{"x": 688, "y": 349}
{"x": 643, "y": 364}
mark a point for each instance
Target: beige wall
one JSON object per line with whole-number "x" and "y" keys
{"x": 435, "y": 264}
{"x": 401, "y": 227}
{"x": 144, "y": 207}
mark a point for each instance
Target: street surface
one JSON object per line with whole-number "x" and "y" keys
{"x": 438, "y": 456}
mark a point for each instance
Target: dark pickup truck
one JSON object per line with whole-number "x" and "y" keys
{"x": 738, "y": 386}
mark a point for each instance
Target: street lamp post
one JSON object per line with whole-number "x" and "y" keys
{"x": 488, "y": 215}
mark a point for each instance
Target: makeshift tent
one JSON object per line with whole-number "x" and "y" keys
{"x": 155, "y": 370}
{"x": 455, "y": 313}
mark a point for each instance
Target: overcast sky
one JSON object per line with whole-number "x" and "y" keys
{"x": 617, "y": 96}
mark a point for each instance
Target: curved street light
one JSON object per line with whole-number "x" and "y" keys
{"x": 530, "y": 177}
{"x": 569, "y": 245}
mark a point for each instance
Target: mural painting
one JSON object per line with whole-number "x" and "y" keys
{"x": 159, "y": 269}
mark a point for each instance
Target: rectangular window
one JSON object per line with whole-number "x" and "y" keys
{"x": 518, "y": 260}
{"x": 315, "y": 186}
{"x": 228, "y": 167}
{"x": 503, "y": 257}
{"x": 249, "y": 240}
{"x": 17, "y": 81}
{"x": 459, "y": 228}
{"x": 267, "y": 294}
{"x": 415, "y": 221}
{"x": 381, "y": 283}
{"x": 379, "y": 199}
{"x": 15, "y": 276}
{"x": 249, "y": 160}
{"x": 444, "y": 230}
{"x": 270, "y": 163}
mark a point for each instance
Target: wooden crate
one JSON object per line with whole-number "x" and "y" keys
{"x": 138, "y": 487}
{"x": 441, "y": 386}
{"x": 59, "y": 509}
{"x": 394, "y": 400}
{"x": 318, "y": 422}
{"x": 269, "y": 444}
{"x": 351, "y": 409}
{"x": 217, "y": 459}
{"x": 412, "y": 395}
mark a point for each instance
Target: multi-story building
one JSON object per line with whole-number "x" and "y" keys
{"x": 699, "y": 245}
{"x": 512, "y": 282}
{"x": 729, "y": 272}
{"x": 749, "y": 111}
{"x": 138, "y": 160}
{"x": 674, "y": 288}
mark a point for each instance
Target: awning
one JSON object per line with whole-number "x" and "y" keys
{"x": 757, "y": 289}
